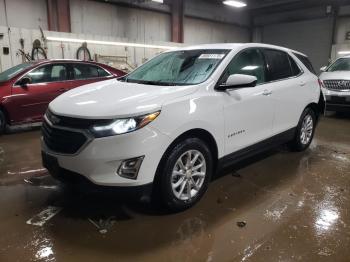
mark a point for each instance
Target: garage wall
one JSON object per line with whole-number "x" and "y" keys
{"x": 89, "y": 17}
{"x": 26, "y": 14}
{"x": 312, "y": 37}
{"x": 199, "y": 31}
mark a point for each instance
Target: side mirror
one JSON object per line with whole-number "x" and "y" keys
{"x": 24, "y": 81}
{"x": 323, "y": 69}
{"x": 238, "y": 81}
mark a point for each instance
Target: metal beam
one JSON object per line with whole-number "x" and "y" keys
{"x": 177, "y": 21}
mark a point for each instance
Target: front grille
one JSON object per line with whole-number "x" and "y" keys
{"x": 62, "y": 141}
{"x": 337, "y": 85}
{"x": 72, "y": 122}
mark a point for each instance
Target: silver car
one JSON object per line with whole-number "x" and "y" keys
{"x": 336, "y": 85}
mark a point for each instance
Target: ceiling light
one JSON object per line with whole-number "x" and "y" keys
{"x": 237, "y": 4}
{"x": 97, "y": 42}
{"x": 344, "y": 52}
{"x": 158, "y": 1}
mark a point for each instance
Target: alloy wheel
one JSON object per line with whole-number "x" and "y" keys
{"x": 188, "y": 175}
{"x": 306, "y": 129}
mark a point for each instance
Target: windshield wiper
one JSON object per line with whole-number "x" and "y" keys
{"x": 155, "y": 83}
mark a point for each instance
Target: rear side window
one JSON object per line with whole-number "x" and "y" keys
{"x": 85, "y": 71}
{"x": 279, "y": 65}
{"x": 305, "y": 60}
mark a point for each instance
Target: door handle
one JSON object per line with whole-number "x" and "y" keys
{"x": 302, "y": 83}
{"x": 61, "y": 90}
{"x": 267, "y": 92}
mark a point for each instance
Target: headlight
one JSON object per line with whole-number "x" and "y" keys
{"x": 122, "y": 126}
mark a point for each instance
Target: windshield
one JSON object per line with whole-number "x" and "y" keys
{"x": 13, "y": 71}
{"x": 188, "y": 67}
{"x": 342, "y": 64}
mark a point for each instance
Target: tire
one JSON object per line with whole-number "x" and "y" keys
{"x": 38, "y": 53}
{"x": 305, "y": 131}
{"x": 2, "y": 123}
{"x": 171, "y": 174}
{"x": 86, "y": 54}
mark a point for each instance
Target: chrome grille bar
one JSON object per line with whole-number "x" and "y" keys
{"x": 337, "y": 85}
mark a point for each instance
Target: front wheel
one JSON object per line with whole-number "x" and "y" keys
{"x": 185, "y": 175}
{"x": 305, "y": 131}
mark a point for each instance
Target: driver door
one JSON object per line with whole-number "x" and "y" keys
{"x": 249, "y": 111}
{"x": 28, "y": 103}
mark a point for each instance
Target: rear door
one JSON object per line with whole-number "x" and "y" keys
{"x": 286, "y": 81}
{"x": 29, "y": 103}
{"x": 84, "y": 73}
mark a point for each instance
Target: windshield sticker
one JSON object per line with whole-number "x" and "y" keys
{"x": 211, "y": 56}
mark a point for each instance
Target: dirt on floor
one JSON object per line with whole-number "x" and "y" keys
{"x": 277, "y": 206}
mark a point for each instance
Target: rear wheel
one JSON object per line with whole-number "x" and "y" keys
{"x": 305, "y": 131}
{"x": 185, "y": 175}
{"x": 2, "y": 122}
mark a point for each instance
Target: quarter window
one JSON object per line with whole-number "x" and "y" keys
{"x": 305, "y": 60}
{"x": 295, "y": 68}
{"x": 248, "y": 62}
{"x": 85, "y": 71}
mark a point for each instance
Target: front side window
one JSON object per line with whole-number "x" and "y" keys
{"x": 186, "y": 67}
{"x": 278, "y": 64}
{"x": 342, "y": 64}
{"x": 86, "y": 71}
{"x": 248, "y": 62}
{"x": 48, "y": 73}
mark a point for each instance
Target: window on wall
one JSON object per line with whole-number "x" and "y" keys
{"x": 248, "y": 62}
{"x": 278, "y": 64}
{"x": 85, "y": 71}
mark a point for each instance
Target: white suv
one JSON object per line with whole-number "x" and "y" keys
{"x": 336, "y": 85}
{"x": 173, "y": 121}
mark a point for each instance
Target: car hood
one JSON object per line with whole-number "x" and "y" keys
{"x": 337, "y": 75}
{"x": 115, "y": 99}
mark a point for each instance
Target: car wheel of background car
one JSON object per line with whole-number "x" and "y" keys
{"x": 185, "y": 175}
{"x": 305, "y": 131}
{"x": 2, "y": 122}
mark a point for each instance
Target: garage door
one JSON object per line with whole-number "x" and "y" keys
{"x": 312, "y": 37}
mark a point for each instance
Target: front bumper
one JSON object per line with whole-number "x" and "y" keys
{"x": 99, "y": 160}
{"x": 337, "y": 101}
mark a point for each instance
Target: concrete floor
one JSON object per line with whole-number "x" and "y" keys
{"x": 295, "y": 206}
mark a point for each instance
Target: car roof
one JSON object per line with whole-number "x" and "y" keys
{"x": 43, "y": 61}
{"x": 233, "y": 46}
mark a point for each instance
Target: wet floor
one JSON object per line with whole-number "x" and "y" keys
{"x": 279, "y": 206}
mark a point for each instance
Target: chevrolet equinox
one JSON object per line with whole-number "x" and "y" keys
{"x": 173, "y": 121}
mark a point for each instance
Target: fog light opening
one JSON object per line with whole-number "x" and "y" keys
{"x": 130, "y": 168}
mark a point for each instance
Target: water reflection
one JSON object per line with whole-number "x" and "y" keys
{"x": 326, "y": 219}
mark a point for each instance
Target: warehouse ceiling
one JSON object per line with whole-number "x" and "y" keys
{"x": 252, "y": 4}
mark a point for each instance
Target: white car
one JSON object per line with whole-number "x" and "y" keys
{"x": 336, "y": 85}
{"x": 173, "y": 121}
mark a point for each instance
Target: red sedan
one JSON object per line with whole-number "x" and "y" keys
{"x": 28, "y": 88}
